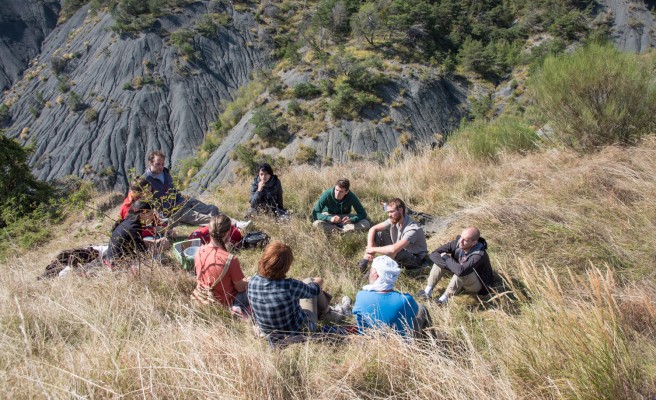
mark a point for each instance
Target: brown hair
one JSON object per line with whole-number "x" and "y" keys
{"x": 219, "y": 226}
{"x": 275, "y": 261}
{"x": 343, "y": 183}
{"x": 156, "y": 153}
{"x": 397, "y": 203}
{"x": 139, "y": 185}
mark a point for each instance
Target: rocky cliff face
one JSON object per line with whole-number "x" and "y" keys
{"x": 25, "y": 24}
{"x": 634, "y": 24}
{"x": 96, "y": 102}
{"x": 423, "y": 111}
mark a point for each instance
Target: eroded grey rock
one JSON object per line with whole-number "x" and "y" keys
{"x": 24, "y": 26}
{"x": 170, "y": 106}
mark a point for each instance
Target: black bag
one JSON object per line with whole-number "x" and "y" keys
{"x": 254, "y": 239}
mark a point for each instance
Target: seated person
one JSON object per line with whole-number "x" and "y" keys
{"x": 179, "y": 208}
{"x": 218, "y": 271}
{"x": 466, "y": 260}
{"x": 139, "y": 188}
{"x": 398, "y": 237}
{"x": 378, "y": 305}
{"x": 266, "y": 192}
{"x": 126, "y": 241}
{"x": 333, "y": 212}
{"x": 283, "y": 305}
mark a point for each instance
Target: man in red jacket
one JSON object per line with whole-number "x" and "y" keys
{"x": 466, "y": 260}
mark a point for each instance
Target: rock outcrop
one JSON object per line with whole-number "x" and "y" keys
{"x": 422, "y": 113}
{"x": 633, "y": 24}
{"x": 96, "y": 101}
{"x": 25, "y": 24}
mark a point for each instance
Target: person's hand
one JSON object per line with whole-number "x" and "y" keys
{"x": 260, "y": 185}
{"x": 369, "y": 257}
{"x": 445, "y": 254}
{"x": 335, "y": 219}
{"x": 318, "y": 281}
{"x": 346, "y": 220}
{"x": 369, "y": 251}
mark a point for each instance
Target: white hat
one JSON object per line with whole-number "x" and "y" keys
{"x": 388, "y": 272}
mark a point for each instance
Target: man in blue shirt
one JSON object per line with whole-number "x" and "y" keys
{"x": 378, "y": 305}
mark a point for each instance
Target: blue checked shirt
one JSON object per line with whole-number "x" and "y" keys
{"x": 276, "y": 305}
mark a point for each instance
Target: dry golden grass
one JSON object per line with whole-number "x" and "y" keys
{"x": 570, "y": 234}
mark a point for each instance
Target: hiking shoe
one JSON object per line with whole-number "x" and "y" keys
{"x": 422, "y": 295}
{"x": 243, "y": 225}
{"x": 362, "y": 264}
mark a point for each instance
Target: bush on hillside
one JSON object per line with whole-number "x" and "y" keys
{"x": 487, "y": 140}
{"x": 595, "y": 97}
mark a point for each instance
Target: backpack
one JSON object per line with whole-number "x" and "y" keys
{"x": 254, "y": 240}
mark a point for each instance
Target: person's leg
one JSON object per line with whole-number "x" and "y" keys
{"x": 469, "y": 283}
{"x": 361, "y": 225}
{"x": 383, "y": 238}
{"x": 422, "y": 320}
{"x": 407, "y": 259}
{"x": 436, "y": 274}
{"x": 309, "y": 306}
{"x": 194, "y": 212}
{"x": 327, "y": 227}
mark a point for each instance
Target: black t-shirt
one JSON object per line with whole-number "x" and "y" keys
{"x": 126, "y": 239}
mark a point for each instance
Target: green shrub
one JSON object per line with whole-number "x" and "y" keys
{"x": 90, "y": 115}
{"x": 268, "y": 126}
{"x": 5, "y": 116}
{"x": 482, "y": 139}
{"x": 75, "y": 102}
{"x": 294, "y": 108}
{"x": 596, "y": 96}
{"x": 306, "y": 90}
{"x": 348, "y": 102}
{"x": 305, "y": 154}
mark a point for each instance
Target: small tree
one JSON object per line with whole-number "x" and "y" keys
{"x": 21, "y": 192}
{"x": 596, "y": 96}
{"x": 366, "y": 22}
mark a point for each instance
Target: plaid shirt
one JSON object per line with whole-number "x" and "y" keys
{"x": 275, "y": 303}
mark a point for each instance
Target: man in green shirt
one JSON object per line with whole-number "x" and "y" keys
{"x": 333, "y": 212}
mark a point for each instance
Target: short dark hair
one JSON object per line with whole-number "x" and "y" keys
{"x": 343, "y": 183}
{"x": 397, "y": 203}
{"x": 266, "y": 168}
{"x": 275, "y": 261}
{"x": 139, "y": 206}
{"x": 156, "y": 153}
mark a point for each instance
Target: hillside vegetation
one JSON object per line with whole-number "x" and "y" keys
{"x": 568, "y": 212}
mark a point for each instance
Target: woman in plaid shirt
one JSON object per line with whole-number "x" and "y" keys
{"x": 283, "y": 305}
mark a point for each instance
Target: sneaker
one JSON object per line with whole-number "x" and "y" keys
{"x": 441, "y": 303}
{"x": 243, "y": 225}
{"x": 362, "y": 264}
{"x": 422, "y": 295}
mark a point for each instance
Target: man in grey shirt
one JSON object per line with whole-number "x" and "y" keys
{"x": 398, "y": 237}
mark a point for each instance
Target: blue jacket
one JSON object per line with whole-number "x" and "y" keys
{"x": 164, "y": 192}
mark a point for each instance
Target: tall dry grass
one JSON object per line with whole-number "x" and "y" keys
{"x": 570, "y": 235}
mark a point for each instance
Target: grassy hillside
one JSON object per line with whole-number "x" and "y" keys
{"x": 570, "y": 233}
